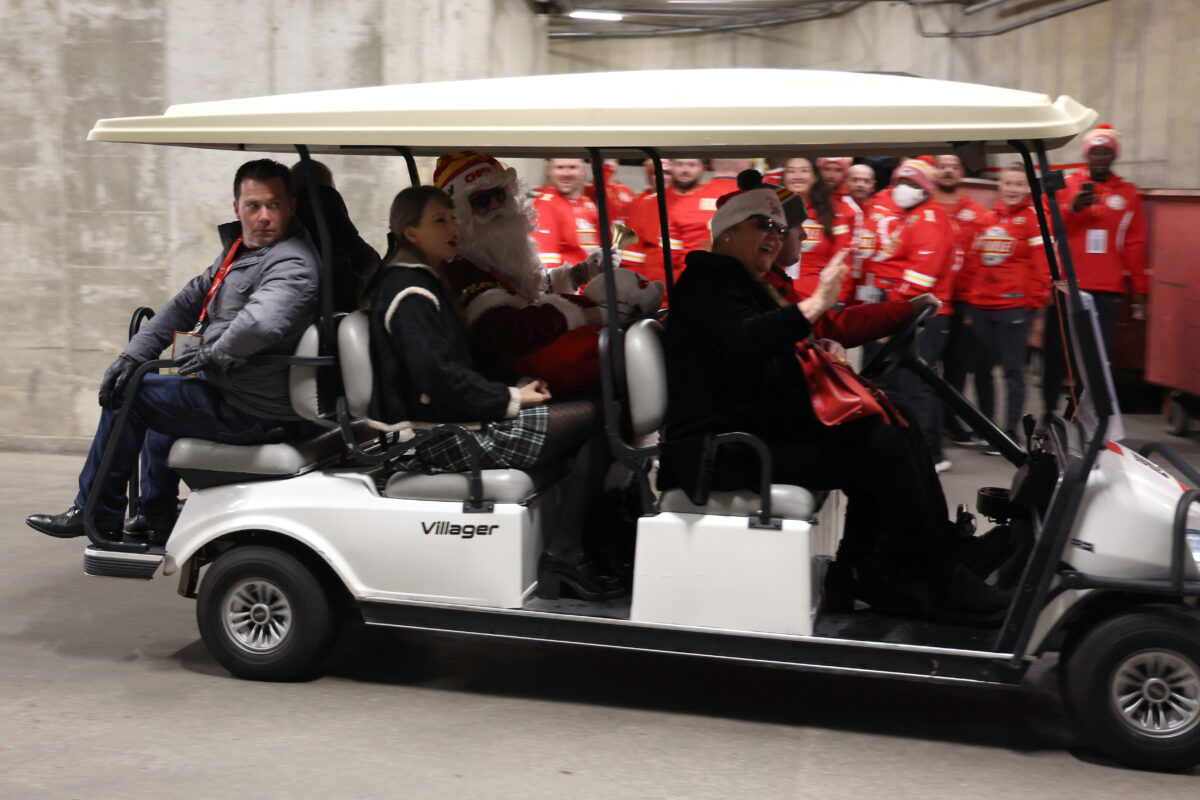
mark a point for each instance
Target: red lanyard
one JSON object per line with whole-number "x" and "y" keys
{"x": 220, "y": 276}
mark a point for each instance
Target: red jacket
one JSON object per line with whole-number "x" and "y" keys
{"x": 851, "y": 326}
{"x": 566, "y": 229}
{"x": 1012, "y": 261}
{"x": 819, "y": 248}
{"x": 922, "y": 257}
{"x": 619, "y": 197}
{"x": 1108, "y": 238}
{"x": 970, "y": 216}
{"x": 690, "y": 214}
{"x": 645, "y": 256}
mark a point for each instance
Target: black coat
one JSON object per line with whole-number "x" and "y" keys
{"x": 731, "y": 366}
{"x": 424, "y": 367}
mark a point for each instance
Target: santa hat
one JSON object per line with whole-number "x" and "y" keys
{"x": 740, "y": 206}
{"x": 916, "y": 171}
{"x": 793, "y": 204}
{"x": 845, "y": 161}
{"x": 1102, "y": 136}
{"x": 468, "y": 170}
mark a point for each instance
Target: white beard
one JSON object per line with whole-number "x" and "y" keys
{"x": 502, "y": 244}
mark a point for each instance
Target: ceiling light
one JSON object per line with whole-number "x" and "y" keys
{"x": 601, "y": 16}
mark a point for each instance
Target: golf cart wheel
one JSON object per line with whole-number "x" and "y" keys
{"x": 1176, "y": 416}
{"x": 1132, "y": 688}
{"x": 264, "y": 616}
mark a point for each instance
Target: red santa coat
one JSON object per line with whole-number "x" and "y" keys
{"x": 1108, "y": 238}
{"x": 922, "y": 257}
{"x": 1012, "y": 260}
{"x": 819, "y": 248}
{"x": 566, "y": 229}
{"x": 547, "y": 339}
{"x": 969, "y": 215}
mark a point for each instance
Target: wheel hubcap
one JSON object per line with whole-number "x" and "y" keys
{"x": 257, "y": 615}
{"x": 1157, "y": 693}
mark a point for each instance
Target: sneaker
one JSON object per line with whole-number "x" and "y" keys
{"x": 943, "y": 465}
{"x": 968, "y": 440}
{"x": 991, "y": 451}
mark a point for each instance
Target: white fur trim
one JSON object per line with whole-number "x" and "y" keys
{"x": 412, "y": 291}
{"x": 491, "y": 299}
{"x": 514, "y": 403}
{"x": 572, "y": 312}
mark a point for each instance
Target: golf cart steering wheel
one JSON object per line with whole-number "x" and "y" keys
{"x": 896, "y": 348}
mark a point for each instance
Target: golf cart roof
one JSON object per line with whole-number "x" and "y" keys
{"x": 691, "y": 112}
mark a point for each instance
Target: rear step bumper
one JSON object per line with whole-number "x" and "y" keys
{"x": 108, "y": 564}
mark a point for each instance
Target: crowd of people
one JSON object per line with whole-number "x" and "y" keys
{"x": 483, "y": 310}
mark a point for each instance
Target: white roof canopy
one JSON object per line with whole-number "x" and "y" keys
{"x": 748, "y": 112}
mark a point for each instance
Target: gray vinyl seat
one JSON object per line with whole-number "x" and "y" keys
{"x": 646, "y": 380}
{"x": 499, "y": 485}
{"x": 206, "y": 463}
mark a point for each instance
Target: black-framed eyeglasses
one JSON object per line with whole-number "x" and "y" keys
{"x": 767, "y": 224}
{"x": 484, "y": 199}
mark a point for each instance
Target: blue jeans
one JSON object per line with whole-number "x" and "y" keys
{"x": 167, "y": 407}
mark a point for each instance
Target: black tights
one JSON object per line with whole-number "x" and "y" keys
{"x": 575, "y": 427}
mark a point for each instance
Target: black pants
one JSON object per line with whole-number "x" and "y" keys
{"x": 964, "y": 354}
{"x": 1055, "y": 358}
{"x": 904, "y": 387}
{"x": 896, "y": 516}
{"x": 1004, "y": 333}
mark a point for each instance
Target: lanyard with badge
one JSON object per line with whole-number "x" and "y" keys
{"x": 187, "y": 341}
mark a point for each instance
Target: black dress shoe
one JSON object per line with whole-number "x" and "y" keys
{"x": 69, "y": 524}
{"x": 584, "y": 580}
{"x": 153, "y": 527}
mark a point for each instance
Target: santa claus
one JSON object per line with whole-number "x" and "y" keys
{"x": 525, "y": 319}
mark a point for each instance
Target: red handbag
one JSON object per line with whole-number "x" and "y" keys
{"x": 838, "y": 393}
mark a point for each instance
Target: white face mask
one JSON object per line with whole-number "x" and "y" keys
{"x": 907, "y": 196}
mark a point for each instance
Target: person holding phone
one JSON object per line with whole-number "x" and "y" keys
{"x": 1106, "y": 231}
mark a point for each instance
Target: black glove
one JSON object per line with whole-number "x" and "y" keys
{"x": 201, "y": 359}
{"x": 115, "y": 378}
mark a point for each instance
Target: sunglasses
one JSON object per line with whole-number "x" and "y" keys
{"x": 767, "y": 224}
{"x": 484, "y": 199}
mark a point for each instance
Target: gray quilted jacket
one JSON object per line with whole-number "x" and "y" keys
{"x": 265, "y": 303}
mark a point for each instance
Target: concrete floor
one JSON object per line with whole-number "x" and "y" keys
{"x": 107, "y": 692}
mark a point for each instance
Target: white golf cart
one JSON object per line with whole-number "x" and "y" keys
{"x": 298, "y": 535}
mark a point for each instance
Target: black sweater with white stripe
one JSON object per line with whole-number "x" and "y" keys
{"x": 424, "y": 369}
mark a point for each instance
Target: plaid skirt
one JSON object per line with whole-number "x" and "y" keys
{"x": 507, "y": 444}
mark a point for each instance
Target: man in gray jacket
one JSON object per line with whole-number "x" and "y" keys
{"x": 257, "y": 298}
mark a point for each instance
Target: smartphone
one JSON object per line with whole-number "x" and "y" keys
{"x": 1087, "y": 187}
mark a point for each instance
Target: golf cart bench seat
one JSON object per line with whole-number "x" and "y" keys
{"x": 499, "y": 485}
{"x": 787, "y": 502}
{"x": 204, "y": 463}
{"x": 646, "y": 379}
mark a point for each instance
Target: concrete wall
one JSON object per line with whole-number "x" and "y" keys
{"x": 93, "y": 230}
{"x": 1131, "y": 60}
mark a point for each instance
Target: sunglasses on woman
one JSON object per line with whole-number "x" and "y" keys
{"x": 767, "y": 224}
{"x": 484, "y": 199}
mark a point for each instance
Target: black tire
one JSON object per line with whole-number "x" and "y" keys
{"x": 264, "y": 616}
{"x": 1176, "y": 416}
{"x": 1144, "y": 656}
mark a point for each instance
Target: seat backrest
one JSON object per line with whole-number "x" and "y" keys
{"x": 302, "y": 381}
{"x": 354, "y": 356}
{"x": 646, "y": 376}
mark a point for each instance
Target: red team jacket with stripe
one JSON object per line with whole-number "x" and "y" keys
{"x": 1012, "y": 261}
{"x": 970, "y": 216}
{"x": 923, "y": 256}
{"x": 1108, "y": 238}
{"x": 819, "y": 248}
{"x": 566, "y": 229}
